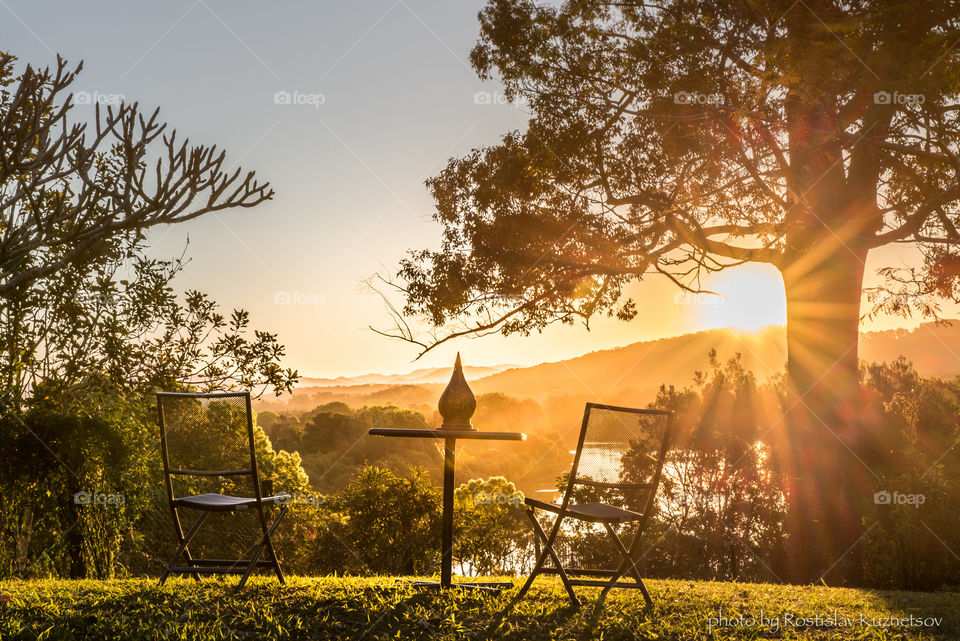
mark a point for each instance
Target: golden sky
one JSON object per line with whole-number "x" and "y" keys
{"x": 346, "y": 108}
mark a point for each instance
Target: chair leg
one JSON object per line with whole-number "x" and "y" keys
{"x": 264, "y": 542}
{"x": 273, "y": 553}
{"x": 270, "y": 550}
{"x": 179, "y": 530}
{"x": 536, "y": 545}
{"x": 626, "y": 565}
{"x": 184, "y": 542}
{"x": 541, "y": 557}
{"x": 547, "y": 550}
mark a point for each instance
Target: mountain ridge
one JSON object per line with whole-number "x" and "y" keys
{"x": 630, "y": 373}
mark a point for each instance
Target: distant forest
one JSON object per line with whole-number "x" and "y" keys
{"x": 332, "y": 441}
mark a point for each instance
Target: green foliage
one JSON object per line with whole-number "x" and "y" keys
{"x": 381, "y": 523}
{"x": 91, "y": 325}
{"x": 722, "y": 510}
{"x": 723, "y": 507}
{"x": 114, "y": 325}
{"x": 332, "y": 440}
{"x": 915, "y": 425}
{"x": 48, "y": 463}
{"x": 493, "y": 535}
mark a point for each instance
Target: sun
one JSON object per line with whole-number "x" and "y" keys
{"x": 751, "y": 298}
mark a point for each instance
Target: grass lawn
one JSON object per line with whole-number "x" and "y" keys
{"x": 377, "y": 608}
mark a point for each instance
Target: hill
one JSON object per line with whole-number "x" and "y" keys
{"x": 934, "y": 350}
{"x": 630, "y": 374}
{"x": 416, "y": 377}
{"x": 642, "y": 367}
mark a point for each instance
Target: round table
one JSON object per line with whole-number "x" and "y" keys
{"x": 449, "y": 466}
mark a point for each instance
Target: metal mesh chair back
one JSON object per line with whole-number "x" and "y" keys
{"x": 620, "y": 455}
{"x": 208, "y": 448}
{"x": 207, "y": 442}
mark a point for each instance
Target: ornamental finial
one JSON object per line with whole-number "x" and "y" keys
{"x": 457, "y": 403}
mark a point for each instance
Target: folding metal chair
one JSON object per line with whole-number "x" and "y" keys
{"x": 620, "y": 456}
{"x": 210, "y": 466}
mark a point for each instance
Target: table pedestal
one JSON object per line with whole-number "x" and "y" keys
{"x": 449, "y": 469}
{"x": 446, "y": 549}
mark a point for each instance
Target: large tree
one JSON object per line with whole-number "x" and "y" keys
{"x": 80, "y": 299}
{"x": 688, "y": 136}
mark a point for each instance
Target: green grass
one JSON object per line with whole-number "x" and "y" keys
{"x": 380, "y": 608}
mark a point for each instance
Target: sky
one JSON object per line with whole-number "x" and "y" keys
{"x": 346, "y": 108}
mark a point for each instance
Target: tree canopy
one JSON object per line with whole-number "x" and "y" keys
{"x": 686, "y": 137}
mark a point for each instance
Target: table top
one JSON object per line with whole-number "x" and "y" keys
{"x": 457, "y": 434}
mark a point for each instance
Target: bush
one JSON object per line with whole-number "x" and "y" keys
{"x": 380, "y": 523}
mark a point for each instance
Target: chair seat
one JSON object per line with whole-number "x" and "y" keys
{"x": 592, "y": 512}
{"x": 225, "y": 502}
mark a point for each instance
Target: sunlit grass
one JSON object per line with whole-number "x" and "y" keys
{"x": 382, "y": 608}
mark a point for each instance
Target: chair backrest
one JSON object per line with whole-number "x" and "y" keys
{"x": 620, "y": 455}
{"x": 207, "y": 443}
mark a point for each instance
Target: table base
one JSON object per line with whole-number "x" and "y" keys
{"x": 493, "y": 586}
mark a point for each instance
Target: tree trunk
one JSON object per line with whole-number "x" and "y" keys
{"x": 825, "y": 480}
{"x": 73, "y": 537}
